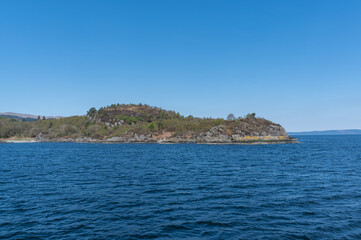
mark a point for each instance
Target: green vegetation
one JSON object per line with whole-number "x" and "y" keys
{"x": 250, "y": 115}
{"x": 124, "y": 120}
{"x": 64, "y": 127}
{"x": 91, "y": 112}
{"x": 151, "y": 126}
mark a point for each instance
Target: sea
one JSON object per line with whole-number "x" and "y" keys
{"x": 310, "y": 190}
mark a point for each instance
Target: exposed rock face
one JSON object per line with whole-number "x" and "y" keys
{"x": 132, "y": 139}
{"x": 254, "y": 131}
{"x": 117, "y": 139}
{"x": 217, "y": 134}
{"x": 85, "y": 139}
{"x": 42, "y": 138}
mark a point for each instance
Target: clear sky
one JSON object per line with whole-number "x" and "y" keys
{"x": 297, "y": 63}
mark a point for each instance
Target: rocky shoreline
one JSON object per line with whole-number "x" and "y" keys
{"x": 214, "y": 136}
{"x": 163, "y": 141}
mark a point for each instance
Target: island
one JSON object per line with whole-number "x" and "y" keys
{"x": 141, "y": 123}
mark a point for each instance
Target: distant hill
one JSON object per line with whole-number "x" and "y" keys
{"x": 329, "y": 132}
{"x": 24, "y": 117}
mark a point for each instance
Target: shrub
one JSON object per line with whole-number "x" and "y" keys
{"x": 151, "y": 126}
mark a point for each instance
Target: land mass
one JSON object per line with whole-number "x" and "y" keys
{"x": 131, "y": 123}
{"x": 329, "y": 132}
{"x": 25, "y": 117}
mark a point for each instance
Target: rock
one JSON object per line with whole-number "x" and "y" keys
{"x": 235, "y": 136}
{"x": 42, "y": 138}
{"x": 116, "y": 139}
{"x": 85, "y": 140}
{"x": 217, "y": 134}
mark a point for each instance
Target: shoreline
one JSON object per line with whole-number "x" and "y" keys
{"x": 162, "y": 141}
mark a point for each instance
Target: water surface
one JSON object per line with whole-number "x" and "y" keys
{"x": 310, "y": 190}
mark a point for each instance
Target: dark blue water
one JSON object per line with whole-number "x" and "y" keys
{"x": 310, "y": 190}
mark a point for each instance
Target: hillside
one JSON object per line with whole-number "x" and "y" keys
{"x": 143, "y": 123}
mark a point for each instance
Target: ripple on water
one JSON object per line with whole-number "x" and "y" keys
{"x": 147, "y": 191}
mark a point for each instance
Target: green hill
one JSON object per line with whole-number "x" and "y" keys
{"x": 26, "y": 119}
{"x": 143, "y": 123}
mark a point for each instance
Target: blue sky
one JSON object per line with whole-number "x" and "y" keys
{"x": 296, "y": 63}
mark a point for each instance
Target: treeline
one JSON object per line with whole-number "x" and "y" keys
{"x": 133, "y": 119}
{"x": 71, "y": 126}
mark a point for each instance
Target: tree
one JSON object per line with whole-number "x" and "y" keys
{"x": 251, "y": 115}
{"x": 91, "y": 112}
{"x": 39, "y": 118}
{"x": 231, "y": 117}
{"x": 43, "y": 117}
{"x": 113, "y": 106}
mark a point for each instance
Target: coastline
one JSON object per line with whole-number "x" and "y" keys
{"x": 18, "y": 140}
{"x": 148, "y": 141}
{"x": 132, "y": 123}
